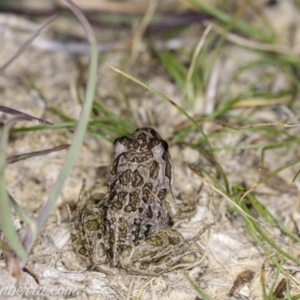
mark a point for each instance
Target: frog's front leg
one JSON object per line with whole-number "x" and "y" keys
{"x": 179, "y": 211}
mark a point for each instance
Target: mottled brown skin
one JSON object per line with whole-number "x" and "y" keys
{"x": 129, "y": 227}
{"x": 139, "y": 180}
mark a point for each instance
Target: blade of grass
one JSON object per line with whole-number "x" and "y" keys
{"x": 25, "y": 45}
{"x": 5, "y": 215}
{"x": 226, "y": 18}
{"x": 165, "y": 99}
{"x": 61, "y": 114}
{"x": 251, "y": 44}
{"x": 265, "y": 178}
{"x": 174, "y": 67}
{"x": 258, "y": 230}
{"x": 15, "y": 112}
{"x": 101, "y": 135}
{"x": 79, "y": 132}
{"x": 263, "y": 281}
{"x": 5, "y": 248}
{"x": 113, "y": 118}
{"x": 203, "y": 295}
{"x": 112, "y": 127}
{"x": 269, "y": 217}
{"x": 220, "y": 192}
{"x": 23, "y": 215}
{"x": 216, "y": 163}
{"x": 14, "y": 158}
{"x": 288, "y": 290}
{"x": 66, "y": 125}
{"x": 210, "y": 150}
{"x": 274, "y": 281}
{"x": 196, "y": 53}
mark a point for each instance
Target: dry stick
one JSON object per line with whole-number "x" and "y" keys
{"x": 14, "y": 158}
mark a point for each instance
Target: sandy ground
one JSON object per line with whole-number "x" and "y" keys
{"x": 229, "y": 249}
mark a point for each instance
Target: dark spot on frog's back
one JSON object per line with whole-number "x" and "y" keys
{"x": 117, "y": 202}
{"x": 125, "y": 177}
{"x": 122, "y": 228}
{"x": 124, "y": 140}
{"x": 113, "y": 185}
{"x": 136, "y": 179}
{"x": 111, "y": 236}
{"x": 168, "y": 170}
{"x": 133, "y": 203}
{"x": 83, "y": 251}
{"x": 147, "y": 231}
{"x": 138, "y": 157}
{"x": 149, "y": 213}
{"x": 147, "y": 188}
{"x": 162, "y": 194}
{"x": 153, "y": 143}
{"x": 115, "y": 164}
{"x": 154, "y": 170}
{"x": 142, "y": 136}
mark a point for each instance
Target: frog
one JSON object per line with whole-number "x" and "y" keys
{"x": 126, "y": 222}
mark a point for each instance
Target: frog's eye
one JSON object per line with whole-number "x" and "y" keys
{"x": 124, "y": 140}
{"x": 154, "y": 133}
{"x": 124, "y": 143}
{"x": 119, "y": 145}
{"x": 116, "y": 141}
{"x": 165, "y": 145}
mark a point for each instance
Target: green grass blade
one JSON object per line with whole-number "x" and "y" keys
{"x": 176, "y": 70}
{"x": 203, "y": 295}
{"x": 258, "y": 230}
{"x": 66, "y": 125}
{"x": 226, "y": 18}
{"x": 5, "y": 215}
{"x": 79, "y": 132}
{"x": 165, "y": 99}
{"x": 275, "y": 279}
{"x": 20, "y": 211}
{"x": 269, "y": 217}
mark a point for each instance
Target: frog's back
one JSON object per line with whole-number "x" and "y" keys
{"x": 139, "y": 178}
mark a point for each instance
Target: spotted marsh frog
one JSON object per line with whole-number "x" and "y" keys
{"x": 128, "y": 226}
